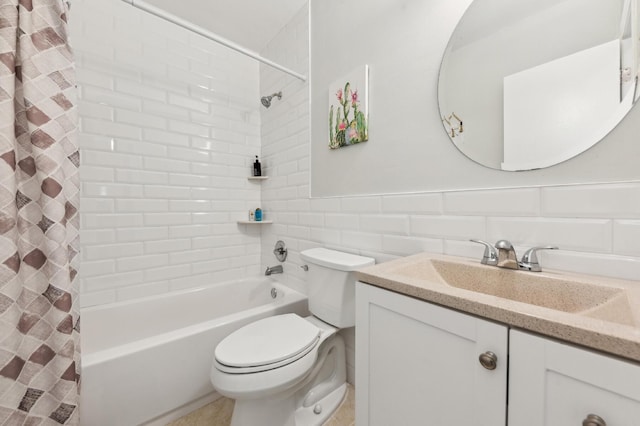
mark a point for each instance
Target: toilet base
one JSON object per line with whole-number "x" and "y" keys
{"x": 264, "y": 411}
{"x": 328, "y": 405}
{"x": 283, "y": 413}
{"x": 323, "y": 390}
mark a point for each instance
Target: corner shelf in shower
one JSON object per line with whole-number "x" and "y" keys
{"x": 255, "y": 222}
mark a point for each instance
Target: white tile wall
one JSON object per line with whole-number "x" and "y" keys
{"x": 596, "y": 226}
{"x": 169, "y": 124}
{"x": 587, "y": 221}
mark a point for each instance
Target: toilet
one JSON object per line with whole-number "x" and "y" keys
{"x": 287, "y": 370}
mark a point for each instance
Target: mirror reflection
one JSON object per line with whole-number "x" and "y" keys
{"x": 528, "y": 84}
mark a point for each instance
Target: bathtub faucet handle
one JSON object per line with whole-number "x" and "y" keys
{"x": 280, "y": 251}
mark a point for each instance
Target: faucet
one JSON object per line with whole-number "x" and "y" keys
{"x": 273, "y": 270}
{"x": 503, "y": 255}
{"x": 506, "y": 255}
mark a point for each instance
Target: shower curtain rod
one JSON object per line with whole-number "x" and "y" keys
{"x": 142, "y": 5}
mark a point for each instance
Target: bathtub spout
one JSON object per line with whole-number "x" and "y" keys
{"x": 273, "y": 270}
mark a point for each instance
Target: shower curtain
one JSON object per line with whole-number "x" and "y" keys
{"x": 39, "y": 188}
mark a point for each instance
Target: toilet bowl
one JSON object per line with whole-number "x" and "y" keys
{"x": 276, "y": 392}
{"x": 287, "y": 370}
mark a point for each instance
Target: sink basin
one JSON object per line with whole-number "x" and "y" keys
{"x": 558, "y": 294}
{"x": 549, "y": 292}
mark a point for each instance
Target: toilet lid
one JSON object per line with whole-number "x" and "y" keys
{"x": 267, "y": 341}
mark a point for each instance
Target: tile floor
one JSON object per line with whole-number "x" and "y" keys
{"x": 218, "y": 413}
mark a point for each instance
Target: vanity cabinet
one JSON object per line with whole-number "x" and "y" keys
{"x": 418, "y": 363}
{"x": 552, "y": 383}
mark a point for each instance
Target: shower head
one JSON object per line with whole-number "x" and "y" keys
{"x": 266, "y": 100}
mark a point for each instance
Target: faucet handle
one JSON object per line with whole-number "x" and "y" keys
{"x": 530, "y": 258}
{"x": 490, "y": 256}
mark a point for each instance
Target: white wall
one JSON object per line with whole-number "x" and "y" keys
{"x": 159, "y": 208}
{"x": 596, "y": 226}
{"x": 169, "y": 124}
{"x": 408, "y": 150}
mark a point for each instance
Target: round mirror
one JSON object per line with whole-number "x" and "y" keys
{"x": 528, "y": 84}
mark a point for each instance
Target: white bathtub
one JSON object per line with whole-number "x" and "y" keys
{"x": 144, "y": 358}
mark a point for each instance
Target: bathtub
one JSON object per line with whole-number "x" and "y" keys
{"x": 145, "y": 358}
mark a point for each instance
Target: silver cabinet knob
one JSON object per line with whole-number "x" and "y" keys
{"x": 593, "y": 420}
{"x": 489, "y": 360}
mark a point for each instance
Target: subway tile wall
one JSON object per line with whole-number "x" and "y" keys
{"x": 596, "y": 226}
{"x": 169, "y": 125}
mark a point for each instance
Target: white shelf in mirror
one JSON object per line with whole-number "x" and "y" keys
{"x": 258, "y": 177}
{"x": 254, "y": 222}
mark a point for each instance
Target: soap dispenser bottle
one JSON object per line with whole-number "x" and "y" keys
{"x": 257, "y": 169}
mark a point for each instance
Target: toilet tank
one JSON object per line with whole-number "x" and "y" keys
{"x": 331, "y": 284}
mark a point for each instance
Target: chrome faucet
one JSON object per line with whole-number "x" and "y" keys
{"x": 273, "y": 270}
{"x": 506, "y": 255}
{"x": 503, "y": 255}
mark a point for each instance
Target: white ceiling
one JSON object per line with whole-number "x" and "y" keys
{"x": 250, "y": 23}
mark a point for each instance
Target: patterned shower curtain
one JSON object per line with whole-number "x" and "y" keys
{"x": 39, "y": 191}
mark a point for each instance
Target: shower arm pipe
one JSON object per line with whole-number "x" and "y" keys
{"x": 160, "y": 13}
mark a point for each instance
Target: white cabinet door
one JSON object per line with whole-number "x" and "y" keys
{"x": 556, "y": 384}
{"x": 417, "y": 364}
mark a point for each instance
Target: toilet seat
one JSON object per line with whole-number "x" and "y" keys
{"x": 272, "y": 379}
{"x": 266, "y": 344}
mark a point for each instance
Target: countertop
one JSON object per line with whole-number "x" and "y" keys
{"x": 612, "y": 327}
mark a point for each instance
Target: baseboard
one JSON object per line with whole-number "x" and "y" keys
{"x": 183, "y": 410}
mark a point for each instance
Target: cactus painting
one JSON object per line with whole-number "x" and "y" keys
{"x": 348, "y": 109}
